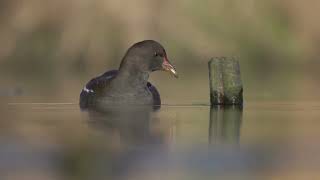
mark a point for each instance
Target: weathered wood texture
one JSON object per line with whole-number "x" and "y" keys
{"x": 225, "y": 81}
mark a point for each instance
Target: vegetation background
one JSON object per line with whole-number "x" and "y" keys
{"x": 50, "y": 49}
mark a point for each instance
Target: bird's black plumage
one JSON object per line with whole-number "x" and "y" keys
{"x": 129, "y": 84}
{"x": 96, "y": 84}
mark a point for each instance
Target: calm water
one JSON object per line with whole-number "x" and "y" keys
{"x": 259, "y": 141}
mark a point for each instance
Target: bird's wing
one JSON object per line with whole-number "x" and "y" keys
{"x": 95, "y": 86}
{"x": 155, "y": 94}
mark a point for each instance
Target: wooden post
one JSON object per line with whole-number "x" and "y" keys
{"x": 225, "y": 81}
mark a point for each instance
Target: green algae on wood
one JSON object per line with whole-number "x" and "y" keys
{"x": 225, "y": 81}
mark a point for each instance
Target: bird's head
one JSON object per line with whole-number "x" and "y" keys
{"x": 148, "y": 56}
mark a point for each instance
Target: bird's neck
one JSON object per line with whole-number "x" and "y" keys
{"x": 131, "y": 78}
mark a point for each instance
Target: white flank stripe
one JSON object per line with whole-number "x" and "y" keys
{"x": 87, "y": 90}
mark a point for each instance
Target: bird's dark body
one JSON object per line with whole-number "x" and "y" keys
{"x": 128, "y": 87}
{"x": 95, "y": 93}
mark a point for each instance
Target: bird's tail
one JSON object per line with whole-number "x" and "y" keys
{"x": 84, "y": 100}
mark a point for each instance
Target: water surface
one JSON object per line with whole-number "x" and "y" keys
{"x": 274, "y": 140}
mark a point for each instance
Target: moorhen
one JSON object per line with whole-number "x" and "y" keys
{"x": 129, "y": 85}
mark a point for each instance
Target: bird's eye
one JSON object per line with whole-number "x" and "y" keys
{"x": 156, "y": 54}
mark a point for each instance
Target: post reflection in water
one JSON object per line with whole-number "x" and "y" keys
{"x": 224, "y": 126}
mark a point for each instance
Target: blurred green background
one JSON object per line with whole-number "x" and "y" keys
{"x": 50, "y": 49}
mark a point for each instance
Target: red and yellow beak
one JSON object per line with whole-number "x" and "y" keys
{"x": 167, "y": 66}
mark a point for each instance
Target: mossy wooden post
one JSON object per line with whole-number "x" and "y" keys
{"x": 225, "y": 81}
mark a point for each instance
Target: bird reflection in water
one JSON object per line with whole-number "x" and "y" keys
{"x": 132, "y": 125}
{"x": 132, "y": 134}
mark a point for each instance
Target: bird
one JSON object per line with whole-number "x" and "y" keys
{"x": 129, "y": 84}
